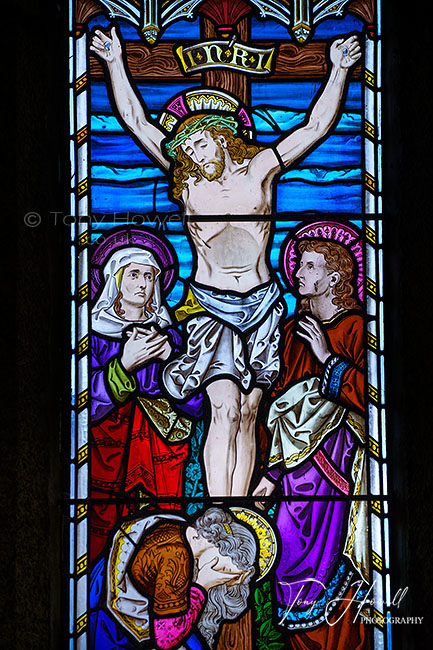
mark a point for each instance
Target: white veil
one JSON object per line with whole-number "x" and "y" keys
{"x": 105, "y": 321}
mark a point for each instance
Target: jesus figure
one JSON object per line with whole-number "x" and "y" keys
{"x": 234, "y": 303}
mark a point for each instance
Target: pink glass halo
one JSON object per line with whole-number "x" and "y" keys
{"x": 177, "y": 106}
{"x": 324, "y": 230}
{"x": 161, "y": 249}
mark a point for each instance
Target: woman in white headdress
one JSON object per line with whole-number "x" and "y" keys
{"x": 123, "y": 291}
{"x": 138, "y": 441}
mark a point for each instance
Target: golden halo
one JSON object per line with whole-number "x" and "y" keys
{"x": 265, "y": 535}
{"x": 204, "y": 100}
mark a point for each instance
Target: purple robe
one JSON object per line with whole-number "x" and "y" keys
{"x": 147, "y": 378}
{"x": 313, "y": 532}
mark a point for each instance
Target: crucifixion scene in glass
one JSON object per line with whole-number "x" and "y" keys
{"x": 228, "y": 472}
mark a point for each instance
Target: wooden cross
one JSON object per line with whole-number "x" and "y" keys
{"x": 293, "y": 61}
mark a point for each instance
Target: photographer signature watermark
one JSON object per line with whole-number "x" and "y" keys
{"x": 360, "y": 601}
{"x": 393, "y": 620}
{"x": 33, "y": 219}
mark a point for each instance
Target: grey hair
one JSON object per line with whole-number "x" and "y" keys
{"x": 238, "y": 542}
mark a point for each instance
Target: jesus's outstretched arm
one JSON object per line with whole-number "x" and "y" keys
{"x": 132, "y": 110}
{"x": 343, "y": 54}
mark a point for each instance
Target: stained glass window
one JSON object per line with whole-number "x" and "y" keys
{"x": 228, "y": 456}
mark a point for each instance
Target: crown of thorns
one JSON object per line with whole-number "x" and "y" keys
{"x": 203, "y": 123}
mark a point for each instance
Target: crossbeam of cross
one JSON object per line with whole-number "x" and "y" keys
{"x": 293, "y": 60}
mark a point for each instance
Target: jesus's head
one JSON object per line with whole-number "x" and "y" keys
{"x": 200, "y": 147}
{"x": 207, "y": 152}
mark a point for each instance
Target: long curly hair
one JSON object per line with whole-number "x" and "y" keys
{"x": 238, "y": 542}
{"x": 338, "y": 259}
{"x": 184, "y": 165}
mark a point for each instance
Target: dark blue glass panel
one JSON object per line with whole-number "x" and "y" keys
{"x": 298, "y": 95}
{"x": 111, "y": 173}
{"x": 155, "y": 95}
{"x": 119, "y": 148}
{"x": 337, "y": 151}
{"x": 335, "y": 27}
{"x": 128, "y": 31}
{"x": 182, "y": 30}
{"x": 270, "y": 29}
{"x": 298, "y": 197}
{"x": 276, "y": 120}
{"x": 140, "y": 197}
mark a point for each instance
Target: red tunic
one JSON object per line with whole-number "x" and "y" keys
{"x": 345, "y": 333}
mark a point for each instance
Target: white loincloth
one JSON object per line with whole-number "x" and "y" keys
{"x": 216, "y": 350}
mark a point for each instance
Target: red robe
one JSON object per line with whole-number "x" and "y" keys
{"x": 128, "y": 456}
{"x": 345, "y": 333}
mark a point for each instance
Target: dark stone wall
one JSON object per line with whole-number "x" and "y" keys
{"x": 34, "y": 310}
{"x": 408, "y": 91}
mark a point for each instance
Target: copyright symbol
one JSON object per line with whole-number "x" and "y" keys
{"x": 32, "y": 219}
